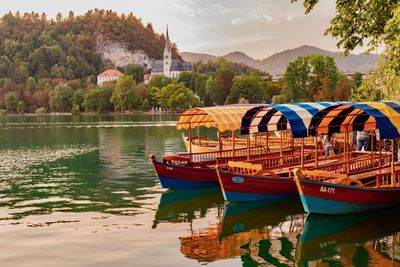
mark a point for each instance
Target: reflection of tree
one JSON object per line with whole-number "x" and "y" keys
{"x": 268, "y": 244}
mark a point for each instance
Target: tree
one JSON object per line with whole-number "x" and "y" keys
{"x": 176, "y": 96}
{"x": 375, "y": 21}
{"x": 212, "y": 91}
{"x": 136, "y": 71}
{"x": 31, "y": 85}
{"x": 273, "y": 88}
{"x": 279, "y": 99}
{"x": 78, "y": 98}
{"x": 126, "y": 96}
{"x": 224, "y": 79}
{"x": 60, "y": 99}
{"x": 310, "y": 78}
{"x": 21, "y": 107}
{"x": 185, "y": 78}
{"x": 10, "y": 102}
{"x": 249, "y": 87}
{"x": 98, "y": 99}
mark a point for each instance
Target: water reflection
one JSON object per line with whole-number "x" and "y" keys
{"x": 365, "y": 239}
{"x": 179, "y": 206}
{"x": 257, "y": 232}
{"x": 58, "y": 166}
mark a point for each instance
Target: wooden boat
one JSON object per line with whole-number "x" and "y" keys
{"x": 346, "y": 188}
{"x": 263, "y": 179}
{"x": 197, "y": 170}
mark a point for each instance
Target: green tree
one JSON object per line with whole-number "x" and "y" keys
{"x": 374, "y": 21}
{"x": 98, "y": 99}
{"x": 21, "y": 107}
{"x": 212, "y": 91}
{"x": 126, "y": 95}
{"x": 31, "y": 85}
{"x": 145, "y": 104}
{"x": 224, "y": 79}
{"x": 310, "y": 78}
{"x": 60, "y": 99}
{"x": 176, "y": 96}
{"x": 185, "y": 78}
{"x": 279, "y": 99}
{"x": 10, "y": 102}
{"x": 136, "y": 71}
{"x": 249, "y": 87}
{"x": 273, "y": 88}
{"x": 78, "y": 98}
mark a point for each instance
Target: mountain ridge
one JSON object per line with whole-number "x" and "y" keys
{"x": 276, "y": 64}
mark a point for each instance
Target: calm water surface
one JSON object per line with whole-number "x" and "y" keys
{"x": 80, "y": 191}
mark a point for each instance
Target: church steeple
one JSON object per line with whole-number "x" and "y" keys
{"x": 167, "y": 55}
{"x": 167, "y": 42}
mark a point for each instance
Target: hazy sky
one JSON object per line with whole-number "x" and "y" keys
{"x": 257, "y": 27}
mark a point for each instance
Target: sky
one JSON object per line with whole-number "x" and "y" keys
{"x": 258, "y": 28}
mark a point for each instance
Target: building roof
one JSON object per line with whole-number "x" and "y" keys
{"x": 177, "y": 65}
{"x": 111, "y": 72}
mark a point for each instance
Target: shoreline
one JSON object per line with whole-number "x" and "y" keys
{"x": 90, "y": 113}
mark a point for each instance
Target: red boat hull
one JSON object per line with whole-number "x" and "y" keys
{"x": 238, "y": 187}
{"x": 184, "y": 177}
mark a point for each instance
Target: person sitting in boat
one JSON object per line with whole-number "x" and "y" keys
{"x": 363, "y": 140}
{"x": 327, "y": 141}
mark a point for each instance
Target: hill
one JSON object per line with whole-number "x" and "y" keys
{"x": 75, "y": 47}
{"x": 276, "y": 64}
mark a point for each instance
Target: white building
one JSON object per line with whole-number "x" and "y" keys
{"x": 108, "y": 76}
{"x": 167, "y": 66}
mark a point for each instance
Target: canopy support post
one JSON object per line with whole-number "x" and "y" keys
{"x": 190, "y": 141}
{"x": 372, "y": 144}
{"x": 219, "y": 143}
{"x": 267, "y": 140}
{"x": 392, "y": 163}
{"x": 302, "y": 153}
{"x": 248, "y": 146}
{"x": 198, "y": 135}
{"x": 281, "y": 149}
{"x": 233, "y": 144}
{"x": 316, "y": 151}
{"x": 346, "y": 151}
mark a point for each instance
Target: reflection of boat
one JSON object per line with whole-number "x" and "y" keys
{"x": 178, "y": 206}
{"x": 325, "y": 236}
{"x": 246, "y": 216}
{"x": 258, "y": 232}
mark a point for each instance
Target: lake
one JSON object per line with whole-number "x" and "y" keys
{"x": 80, "y": 191}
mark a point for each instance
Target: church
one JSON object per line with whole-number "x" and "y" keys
{"x": 167, "y": 66}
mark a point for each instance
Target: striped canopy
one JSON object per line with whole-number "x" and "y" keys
{"x": 296, "y": 116}
{"x": 383, "y": 116}
{"x": 228, "y": 117}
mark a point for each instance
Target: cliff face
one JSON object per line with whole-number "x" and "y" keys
{"x": 120, "y": 55}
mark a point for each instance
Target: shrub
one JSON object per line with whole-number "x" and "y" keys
{"x": 40, "y": 111}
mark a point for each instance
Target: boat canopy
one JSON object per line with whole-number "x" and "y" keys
{"x": 228, "y": 117}
{"x": 296, "y": 116}
{"x": 380, "y": 115}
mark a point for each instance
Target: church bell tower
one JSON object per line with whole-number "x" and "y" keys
{"x": 167, "y": 59}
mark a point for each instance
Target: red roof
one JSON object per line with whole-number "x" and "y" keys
{"x": 111, "y": 72}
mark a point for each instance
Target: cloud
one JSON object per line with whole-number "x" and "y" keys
{"x": 289, "y": 17}
{"x": 236, "y": 21}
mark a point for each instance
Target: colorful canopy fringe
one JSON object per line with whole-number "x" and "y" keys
{"x": 296, "y": 116}
{"x": 383, "y": 116}
{"x": 228, "y": 117}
